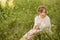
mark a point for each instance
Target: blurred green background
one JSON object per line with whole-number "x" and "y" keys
{"x": 17, "y": 17}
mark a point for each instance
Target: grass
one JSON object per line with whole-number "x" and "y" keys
{"x": 14, "y": 23}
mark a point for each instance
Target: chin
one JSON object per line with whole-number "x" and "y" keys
{"x": 43, "y": 16}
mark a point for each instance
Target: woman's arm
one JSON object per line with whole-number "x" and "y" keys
{"x": 36, "y": 26}
{"x": 36, "y": 23}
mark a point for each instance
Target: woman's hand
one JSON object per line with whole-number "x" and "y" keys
{"x": 37, "y": 26}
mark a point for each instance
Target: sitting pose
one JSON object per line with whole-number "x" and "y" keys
{"x": 41, "y": 21}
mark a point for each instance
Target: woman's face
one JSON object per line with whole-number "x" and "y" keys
{"x": 43, "y": 14}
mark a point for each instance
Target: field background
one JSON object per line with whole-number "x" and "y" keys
{"x": 18, "y": 19}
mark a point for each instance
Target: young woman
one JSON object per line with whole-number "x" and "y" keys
{"x": 41, "y": 21}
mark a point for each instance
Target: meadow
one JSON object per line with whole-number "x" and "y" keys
{"x": 17, "y": 18}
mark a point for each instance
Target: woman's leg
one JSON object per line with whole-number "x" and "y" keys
{"x": 30, "y": 33}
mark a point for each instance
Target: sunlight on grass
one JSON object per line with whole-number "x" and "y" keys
{"x": 11, "y": 3}
{"x": 7, "y": 3}
{"x": 3, "y": 3}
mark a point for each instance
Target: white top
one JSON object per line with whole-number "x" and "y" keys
{"x": 43, "y": 22}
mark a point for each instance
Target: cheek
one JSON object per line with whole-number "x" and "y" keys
{"x": 44, "y": 14}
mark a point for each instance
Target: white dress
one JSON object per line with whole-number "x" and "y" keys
{"x": 43, "y": 22}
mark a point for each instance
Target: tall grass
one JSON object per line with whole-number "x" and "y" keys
{"x": 14, "y": 23}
